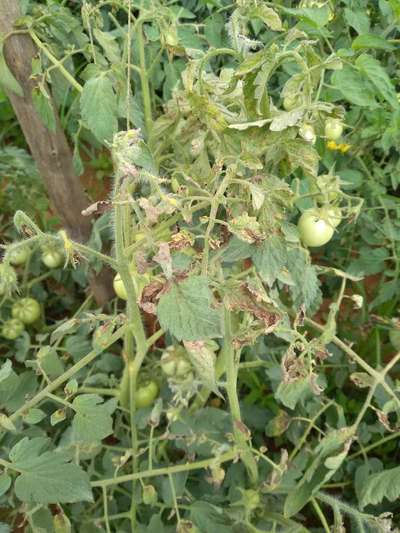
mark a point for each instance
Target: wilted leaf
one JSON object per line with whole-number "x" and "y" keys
{"x": 203, "y": 360}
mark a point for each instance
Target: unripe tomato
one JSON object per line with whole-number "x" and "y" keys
{"x": 307, "y": 132}
{"x": 333, "y": 129}
{"x": 394, "y": 336}
{"x": 171, "y": 38}
{"x": 61, "y": 523}
{"x": 290, "y": 102}
{"x": 146, "y": 394}
{"x": 19, "y": 255}
{"x": 52, "y": 258}
{"x": 314, "y": 230}
{"x": 168, "y": 364}
{"x": 12, "y": 329}
{"x": 8, "y": 278}
{"x": 27, "y": 310}
{"x": 174, "y": 363}
{"x": 119, "y": 287}
{"x": 149, "y": 495}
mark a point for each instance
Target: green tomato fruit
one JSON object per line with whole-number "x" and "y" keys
{"x": 150, "y": 496}
{"x": 394, "y": 336}
{"x": 27, "y": 310}
{"x": 307, "y": 132}
{"x": 119, "y": 288}
{"x": 52, "y": 258}
{"x": 314, "y": 230}
{"x": 61, "y": 523}
{"x": 146, "y": 394}
{"x": 8, "y": 279}
{"x": 290, "y": 102}
{"x": 174, "y": 363}
{"x": 12, "y": 329}
{"x": 19, "y": 256}
{"x": 333, "y": 129}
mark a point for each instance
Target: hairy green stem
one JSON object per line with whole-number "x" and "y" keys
{"x": 67, "y": 375}
{"x": 135, "y": 328}
{"x": 186, "y": 467}
{"x": 231, "y": 366}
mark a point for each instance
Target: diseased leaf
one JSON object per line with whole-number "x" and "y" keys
{"x": 268, "y": 16}
{"x": 99, "y": 107}
{"x": 47, "y": 476}
{"x": 203, "y": 360}
{"x": 286, "y": 119}
{"x": 302, "y": 154}
{"x": 186, "y": 311}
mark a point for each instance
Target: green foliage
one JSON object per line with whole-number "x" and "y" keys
{"x": 185, "y": 310}
{"x": 47, "y": 476}
{"x": 286, "y": 415}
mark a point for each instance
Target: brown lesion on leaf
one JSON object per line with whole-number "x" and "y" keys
{"x": 247, "y": 299}
{"x": 151, "y": 294}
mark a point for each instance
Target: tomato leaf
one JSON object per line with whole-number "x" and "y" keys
{"x": 354, "y": 87}
{"x": 99, "y": 107}
{"x": 47, "y": 476}
{"x": 377, "y": 75}
{"x": 185, "y": 310}
{"x": 44, "y": 107}
{"x": 382, "y": 485}
{"x": 369, "y": 40}
{"x": 92, "y": 421}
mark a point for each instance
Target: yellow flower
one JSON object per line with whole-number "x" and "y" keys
{"x": 343, "y": 147}
{"x": 331, "y": 145}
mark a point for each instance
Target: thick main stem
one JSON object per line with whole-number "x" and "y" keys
{"x": 135, "y": 330}
{"x": 232, "y": 367}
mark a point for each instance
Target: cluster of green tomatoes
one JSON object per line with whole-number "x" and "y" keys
{"x": 317, "y": 225}
{"x": 25, "y": 311}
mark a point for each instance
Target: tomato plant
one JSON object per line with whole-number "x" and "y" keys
{"x": 241, "y": 177}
